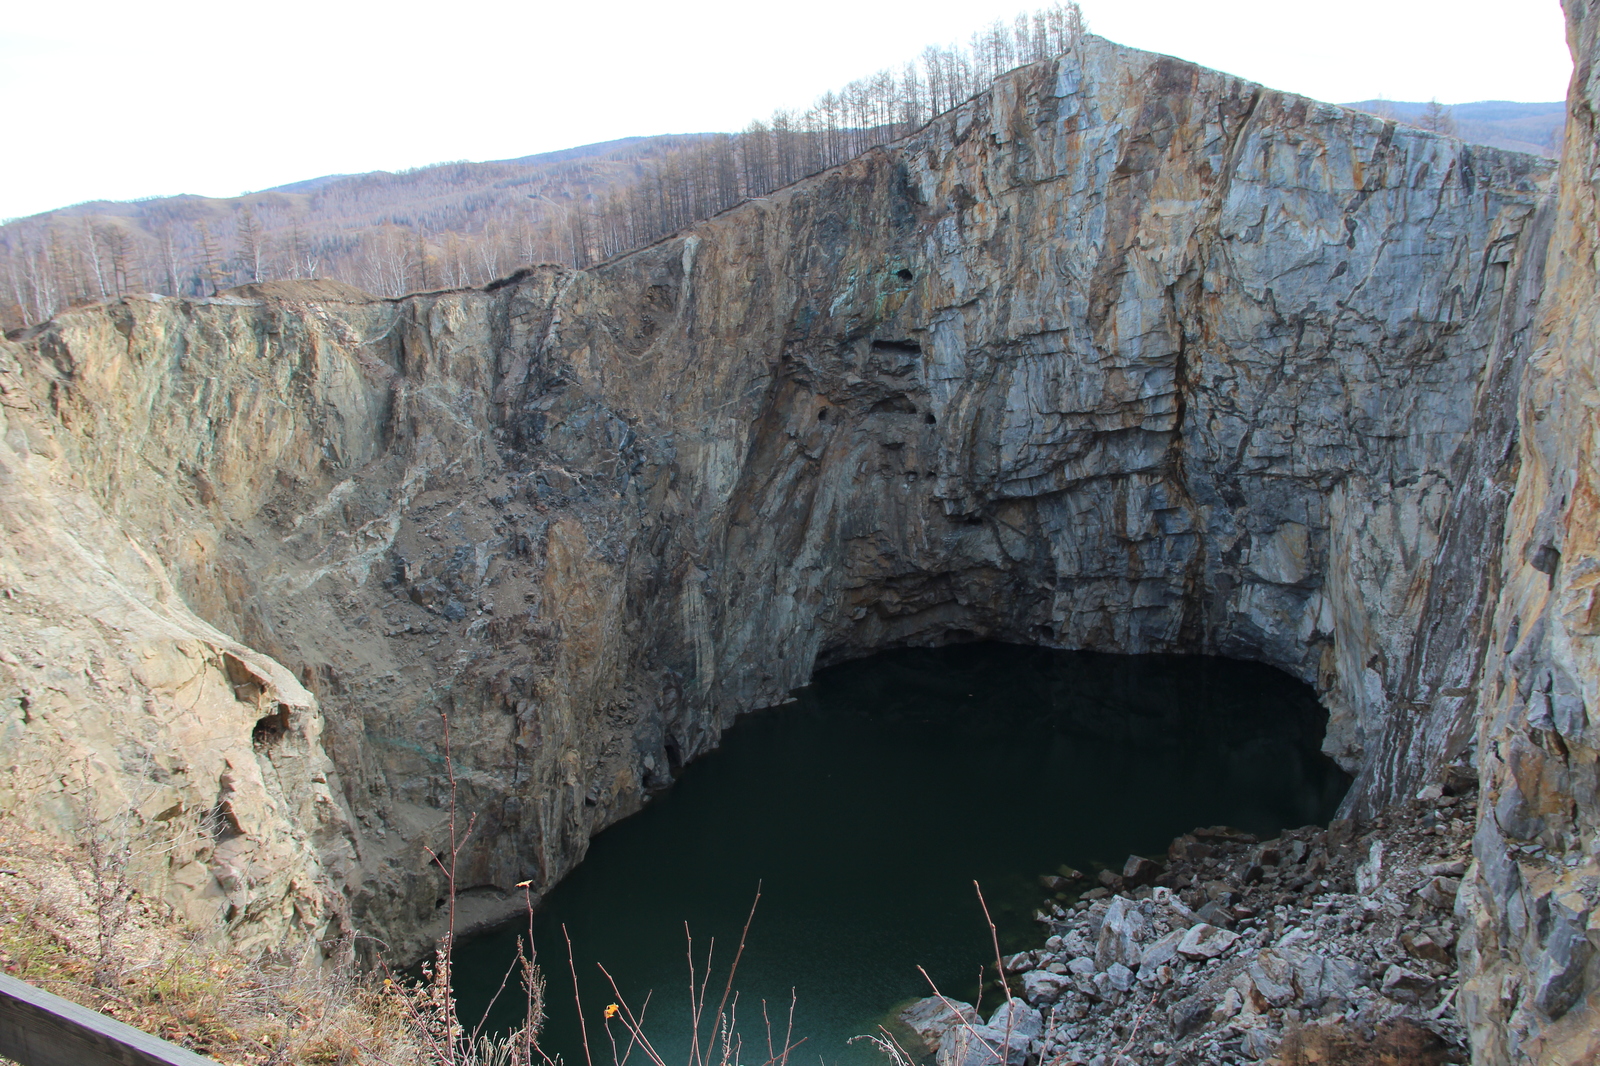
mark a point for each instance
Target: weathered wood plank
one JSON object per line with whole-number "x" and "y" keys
{"x": 40, "y": 1029}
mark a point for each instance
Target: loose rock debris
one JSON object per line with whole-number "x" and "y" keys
{"x": 1332, "y": 946}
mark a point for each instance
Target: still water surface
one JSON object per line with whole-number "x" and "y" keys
{"x": 867, "y": 808}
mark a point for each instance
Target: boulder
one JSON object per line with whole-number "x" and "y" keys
{"x": 1022, "y": 960}
{"x": 1558, "y": 974}
{"x": 1177, "y": 907}
{"x": 1424, "y": 946}
{"x": 1205, "y": 942}
{"x": 1161, "y": 951}
{"x": 1441, "y": 891}
{"x": 982, "y": 1045}
{"x": 931, "y": 1018}
{"x": 1369, "y": 875}
{"x": 1120, "y": 932}
{"x": 1258, "y": 1043}
{"x": 1041, "y": 986}
{"x": 1405, "y": 985}
{"x": 1139, "y": 871}
{"x": 1189, "y": 1014}
{"x": 1232, "y": 1002}
{"x": 1271, "y": 981}
{"x": 1017, "y": 1018}
{"x": 1321, "y": 979}
{"x": 1187, "y": 849}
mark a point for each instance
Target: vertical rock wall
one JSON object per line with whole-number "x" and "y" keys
{"x": 1534, "y": 954}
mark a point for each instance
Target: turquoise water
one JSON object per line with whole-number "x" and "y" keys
{"x": 867, "y": 808}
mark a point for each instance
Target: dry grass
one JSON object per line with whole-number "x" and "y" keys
{"x": 1396, "y": 1043}
{"x": 70, "y": 924}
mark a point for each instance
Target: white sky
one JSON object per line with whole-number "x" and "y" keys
{"x": 115, "y": 100}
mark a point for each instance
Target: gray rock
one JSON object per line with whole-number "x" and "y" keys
{"x": 1405, "y": 985}
{"x": 981, "y": 1045}
{"x": 1259, "y": 1043}
{"x": 1017, "y": 1018}
{"x": 1324, "y": 979}
{"x": 1558, "y": 973}
{"x": 1369, "y": 875}
{"x": 1161, "y": 951}
{"x": 1191, "y": 1013}
{"x": 1041, "y": 986}
{"x": 1206, "y": 942}
{"x": 1120, "y": 930}
{"x": 1441, "y": 891}
{"x": 1119, "y": 977}
{"x": 931, "y": 1018}
{"x": 1272, "y": 977}
{"x": 1139, "y": 871}
{"x": 1023, "y": 960}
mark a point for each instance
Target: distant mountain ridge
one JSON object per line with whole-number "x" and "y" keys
{"x": 1534, "y": 128}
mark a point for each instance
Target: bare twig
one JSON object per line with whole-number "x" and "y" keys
{"x": 634, "y": 1025}
{"x": 962, "y": 1021}
{"x": 737, "y": 955}
{"x": 1000, "y": 968}
{"x": 583, "y": 1027}
{"x": 1134, "y": 1032}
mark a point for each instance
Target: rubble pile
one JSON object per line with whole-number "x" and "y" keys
{"x": 1240, "y": 950}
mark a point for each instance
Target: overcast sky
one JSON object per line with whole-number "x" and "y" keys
{"x": 117, "y": 100}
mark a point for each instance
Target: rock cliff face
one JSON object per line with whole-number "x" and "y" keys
{"x": 1124, "y": 354}
{"x": 1535, "y": 990}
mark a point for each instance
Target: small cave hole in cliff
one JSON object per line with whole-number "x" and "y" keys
{"x": 866, "y": 808}
{"x": 271, "y": 728}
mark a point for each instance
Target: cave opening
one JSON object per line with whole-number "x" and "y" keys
{"x": 867, "y": 806}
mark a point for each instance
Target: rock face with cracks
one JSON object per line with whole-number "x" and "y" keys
{"x": 1123, "y": 354}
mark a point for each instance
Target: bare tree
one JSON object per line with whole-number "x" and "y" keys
{"x": 1438, "y": 118}
{"x": 251, "y": 250}
{"x": 208, "y": 268}
{"x": 465, "y": 223}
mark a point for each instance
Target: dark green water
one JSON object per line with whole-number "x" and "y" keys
{"x": 868, "y": 807}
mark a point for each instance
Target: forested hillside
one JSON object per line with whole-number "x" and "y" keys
{"x": 462, "y": 223}
{"x": 440, "y": 226}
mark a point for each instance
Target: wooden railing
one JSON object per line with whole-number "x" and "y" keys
{"x": 39, "y": 1029}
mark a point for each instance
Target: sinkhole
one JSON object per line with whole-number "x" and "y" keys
{"x": 867, "y": 807}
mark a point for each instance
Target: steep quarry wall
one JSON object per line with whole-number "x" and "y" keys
{"x": 1534, "y": 946}
{"x": 1124, "y": 354}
